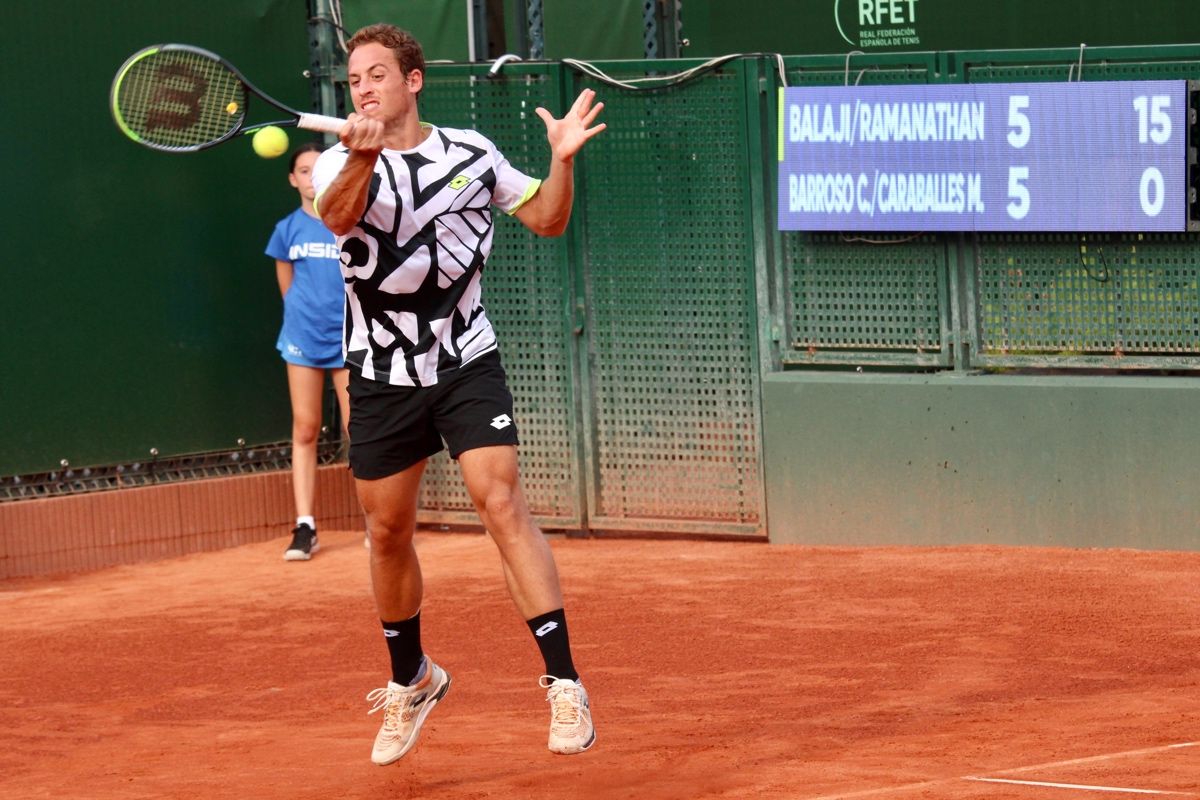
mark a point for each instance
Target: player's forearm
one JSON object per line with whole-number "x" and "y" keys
{"x": 343, "y": 202}
{"x": 554, "y": 199}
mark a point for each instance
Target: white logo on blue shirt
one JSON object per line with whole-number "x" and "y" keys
{"x": 314, "y": 250}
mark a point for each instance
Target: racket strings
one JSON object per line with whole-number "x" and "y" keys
{"x": 180, "y": 99}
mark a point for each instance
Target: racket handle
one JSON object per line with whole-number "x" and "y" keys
{"x": 320, "y": 122}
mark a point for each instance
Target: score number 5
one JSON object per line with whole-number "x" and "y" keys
{"x": 1018, "y": 136}
{"x": 1154, "y": 125}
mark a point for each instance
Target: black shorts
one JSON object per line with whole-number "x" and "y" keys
{"x": 394, "y": 427}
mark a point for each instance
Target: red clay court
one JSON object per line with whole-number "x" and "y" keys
{"x": 717, "y": 669}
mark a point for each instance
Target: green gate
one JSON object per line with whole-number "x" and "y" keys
{"x": 633, "y": 358}
{"x": 667, "y": 251}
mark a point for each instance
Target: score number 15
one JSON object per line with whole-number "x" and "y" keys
{"x": 1154, "y": 125}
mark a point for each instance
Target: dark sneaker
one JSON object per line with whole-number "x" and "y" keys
{"x": 404, "y": 711}
{"x": 304, "y": 544}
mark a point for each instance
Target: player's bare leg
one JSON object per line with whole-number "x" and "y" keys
{"x": 493, "y": 482}
{"x": 390, "y": 505}
{"x": 417, "y": 683}
{"x": 490, "y": 474}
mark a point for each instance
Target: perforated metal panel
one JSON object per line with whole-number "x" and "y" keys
{"x": 671, "y": 311}
{"x": 1076, "y": 298}
{"x": 526, "y": 289}
{"x": 877, "y": 70}
{"x": 1068, "y": 69}
{"x": 856, "y": 301}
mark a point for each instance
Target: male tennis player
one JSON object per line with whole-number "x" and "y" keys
{"x": 411, "y": 206}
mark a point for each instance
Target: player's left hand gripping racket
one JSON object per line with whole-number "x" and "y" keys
{"x": 179, "y": 98}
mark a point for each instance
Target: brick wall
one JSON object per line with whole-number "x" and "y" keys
{"x": 101, "y": 529}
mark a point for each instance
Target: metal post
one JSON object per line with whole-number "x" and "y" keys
{"x": 325, "y": 59}
{"x": 662, "y": 30}
{"x": 537, "y": 31}
{"x": 671, "y": 28}
{"x": 477, "y": 30}
{"x": 650, "y": 39}
{"x": 518, "y": 33}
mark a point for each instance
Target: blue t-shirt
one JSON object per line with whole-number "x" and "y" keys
{"x": 313, "y": 306}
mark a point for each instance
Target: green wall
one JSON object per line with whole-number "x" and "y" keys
{"x": 440, "y": 25}
{"x": 139, "y": 310}
{"x": 613, "y": 29}
{"x": 798, "y": 27}
{"x": 942, "y": 459}
{"x": 584, "y": 29}
{"x": 572, "y": 28}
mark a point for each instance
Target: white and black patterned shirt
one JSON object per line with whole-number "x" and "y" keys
{"x": 413, "y": 265}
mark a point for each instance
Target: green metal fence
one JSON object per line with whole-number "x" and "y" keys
{"x": 857, "y": 300}
{"x": 636, "y": 344}
{"x": 667, "y": 261}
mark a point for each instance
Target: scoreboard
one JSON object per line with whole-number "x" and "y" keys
{"x": 1094, "y": 156}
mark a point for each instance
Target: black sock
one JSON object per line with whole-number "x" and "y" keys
{"x": 404, "y": 646}
{"x": 550, "y": 632}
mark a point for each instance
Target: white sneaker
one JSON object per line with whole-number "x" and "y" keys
{"x": 404, "y": 710}
{"x": 571, "y": 729}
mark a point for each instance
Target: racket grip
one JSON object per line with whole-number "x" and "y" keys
{"x": 320, "y": 122}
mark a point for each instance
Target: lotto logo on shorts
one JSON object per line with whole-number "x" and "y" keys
{"x": 501, "y": 422}
{"x": 459, "y": 182}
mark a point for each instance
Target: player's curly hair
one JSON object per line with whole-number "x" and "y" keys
{"x": 406, "y": 48}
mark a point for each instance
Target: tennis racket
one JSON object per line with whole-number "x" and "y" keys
{"x": 180, "y": 99}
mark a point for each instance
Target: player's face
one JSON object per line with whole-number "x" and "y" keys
{"x": 301, "y": 177}
{"x": 378, "y": 87}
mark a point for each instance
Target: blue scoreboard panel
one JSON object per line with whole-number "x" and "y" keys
{"x": 1095, "y": 156}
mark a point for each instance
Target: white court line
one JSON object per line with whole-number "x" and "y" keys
{"x": 886, "y": 790}
{"x": 1091, "y": 759}
{"x": 1013, "y": 771}
{"x": 1073, "y": 786}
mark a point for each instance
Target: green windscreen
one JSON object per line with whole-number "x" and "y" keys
{"x": 139, "y": 310}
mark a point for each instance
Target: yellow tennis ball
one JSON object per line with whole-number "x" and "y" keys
{"x": 270, "y": 142}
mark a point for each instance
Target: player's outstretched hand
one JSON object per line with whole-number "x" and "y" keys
{"x": 568, "y": 135}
